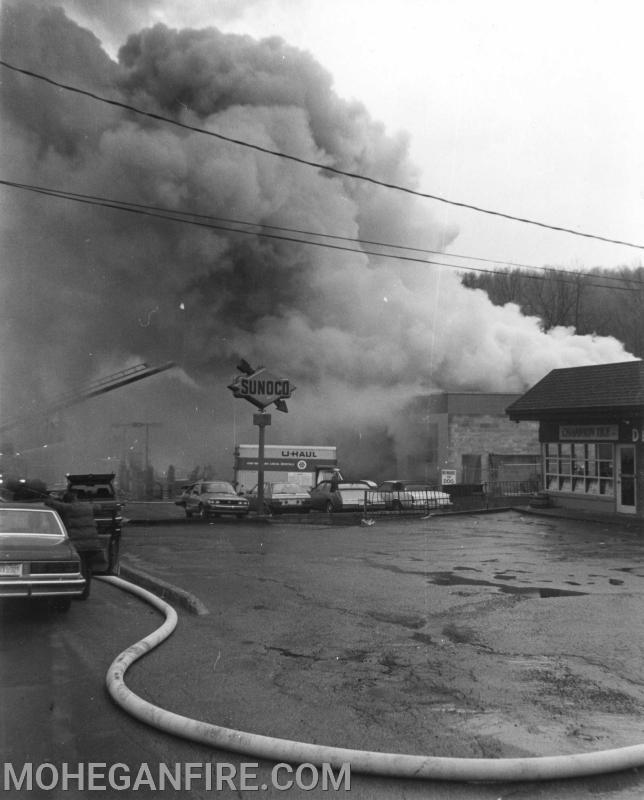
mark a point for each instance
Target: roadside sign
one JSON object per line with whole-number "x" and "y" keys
{"x": 261, "y": 388}
{"x": 448, "y": 477}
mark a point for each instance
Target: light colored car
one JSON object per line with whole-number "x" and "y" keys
{"x": 212, "y": 499}
{"x": 348, "y": 496}
{"x": 280, "y": 498}
{"x": 408, "y": 495}
{"x": 37, "y": 558}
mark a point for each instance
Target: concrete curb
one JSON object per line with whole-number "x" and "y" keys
{"x": 557, "y": 512}
{"x": 163, "y": 589}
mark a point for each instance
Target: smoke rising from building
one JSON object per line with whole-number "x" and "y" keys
{"x": 87, "y": 290}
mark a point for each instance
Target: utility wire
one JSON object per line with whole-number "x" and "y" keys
{"x": 126, "y": 204}
{"x": 184, "y": 217}
{"x": 315, "y": 164}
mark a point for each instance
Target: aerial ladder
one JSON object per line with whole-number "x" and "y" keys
{"x": 97, "y": 387}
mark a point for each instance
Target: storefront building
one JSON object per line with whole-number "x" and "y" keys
{"x": 591, "y": 432}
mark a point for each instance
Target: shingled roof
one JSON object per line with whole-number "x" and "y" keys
{"x": 606, "y": 388}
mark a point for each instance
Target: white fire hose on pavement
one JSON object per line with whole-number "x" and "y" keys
{"x": 368, "y": 762}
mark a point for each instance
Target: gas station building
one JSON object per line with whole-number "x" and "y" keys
{"x": 591, "y": 434}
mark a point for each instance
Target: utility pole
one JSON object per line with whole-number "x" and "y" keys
{"x": 147, "y": 426}
{"x": 148, "y": 481}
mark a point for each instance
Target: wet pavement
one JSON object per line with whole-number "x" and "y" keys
{"x": 484, "y": 635}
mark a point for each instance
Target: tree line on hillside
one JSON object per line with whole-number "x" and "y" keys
{"x": 601, "y": 301}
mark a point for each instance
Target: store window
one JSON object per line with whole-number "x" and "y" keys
{"x": 581, "y": 468}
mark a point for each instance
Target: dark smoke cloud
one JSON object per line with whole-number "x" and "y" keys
{"x": 88, "y": 291}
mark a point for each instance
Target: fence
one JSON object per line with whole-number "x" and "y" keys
{"x": 456, "y": 497}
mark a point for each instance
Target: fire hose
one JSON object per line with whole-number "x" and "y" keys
{"x": 441, "y": 768}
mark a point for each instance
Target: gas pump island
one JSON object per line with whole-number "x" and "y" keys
{"x": 262, "y": 389}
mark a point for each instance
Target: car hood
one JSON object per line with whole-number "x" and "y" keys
{"x": 221, "y": 496}
{"x": 34, "y": 545}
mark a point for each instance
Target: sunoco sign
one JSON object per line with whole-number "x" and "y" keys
{"x": 261, "y": 388}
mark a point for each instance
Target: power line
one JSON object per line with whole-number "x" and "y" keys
{"x": 300, "y": 231}
{"x": 264, "y": 225}
{"x": 183, "y": 217}
{"x": 126, "y": 205}
{"x": 315, "y": 164}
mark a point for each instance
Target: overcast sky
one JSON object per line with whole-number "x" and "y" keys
{"x": 529, "y": 109}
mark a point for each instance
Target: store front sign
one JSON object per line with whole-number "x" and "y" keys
{"x": 588, "y": 433}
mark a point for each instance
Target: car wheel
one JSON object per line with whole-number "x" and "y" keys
{"x": 86, "y": 571}
{"x": 188, "y": 514}
{"x": 329, "y": 507}
{"x": 203, "y": 513}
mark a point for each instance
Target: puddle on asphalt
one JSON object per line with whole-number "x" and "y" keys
{"x": 398, "y": 619}
{"x": 452, "y": 579}
{"x": 283, "y": 651}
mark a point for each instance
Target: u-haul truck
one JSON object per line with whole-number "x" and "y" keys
{"x": 306, "y": 465}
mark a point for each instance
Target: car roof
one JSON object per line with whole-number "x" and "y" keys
{"x": 91, "y": 477}
{"x": 403, "y": 480}
{"x": 26, "y": 506}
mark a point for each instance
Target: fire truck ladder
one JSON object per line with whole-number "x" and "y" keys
{"x": 100, "y": 386}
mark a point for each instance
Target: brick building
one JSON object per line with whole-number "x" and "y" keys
{"x": 466, "y": 437}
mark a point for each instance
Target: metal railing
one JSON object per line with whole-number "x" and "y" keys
{"x": 462, "y": 497}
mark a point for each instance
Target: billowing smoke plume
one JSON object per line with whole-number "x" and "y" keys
{"x": 86, "y": 290}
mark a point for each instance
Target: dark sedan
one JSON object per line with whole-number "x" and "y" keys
{"x": 37, "y": 559}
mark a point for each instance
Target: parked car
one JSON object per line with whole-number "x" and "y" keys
{"x": 407, "y": 495}
{"x": 280, "y": 498}
{"x": 98, "y": 489}
{"x": 348, "y": 496}
{"x": 37, "y": 558}
{"x": 212, "y": 499}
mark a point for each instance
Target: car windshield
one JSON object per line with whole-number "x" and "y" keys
{"x": 217, "y": 486}
{"x": 288, "y": 488}
{"x": 26, "y": 520}
{"x": 93, "y": 491}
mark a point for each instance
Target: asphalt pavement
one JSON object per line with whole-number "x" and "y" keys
{"x": 504, "y": 634}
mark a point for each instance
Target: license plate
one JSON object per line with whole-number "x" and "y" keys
{"x": 11, "y": 569}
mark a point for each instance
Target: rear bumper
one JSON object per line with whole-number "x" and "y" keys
{"x": 227, "y": 510}
{"x": 70, "y": 587}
